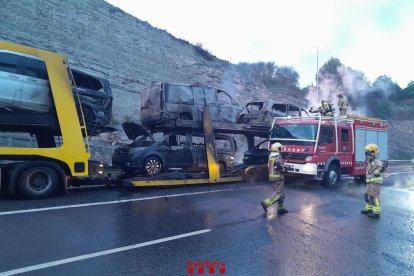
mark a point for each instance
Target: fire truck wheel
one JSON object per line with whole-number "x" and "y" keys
{"x": 38, "y": 182}
{"x": 331, "y": 177}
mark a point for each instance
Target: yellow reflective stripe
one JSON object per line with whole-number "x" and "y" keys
{"x": 377, "y": 210}
{"x": 368, "y": 206}
{"x": 375, "y": 179}
{"x": 270, "y": 201}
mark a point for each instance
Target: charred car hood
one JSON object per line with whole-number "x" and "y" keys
{"x": 134, "y": 130}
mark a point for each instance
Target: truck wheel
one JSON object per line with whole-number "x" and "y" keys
{"x": 331, "y": 177}
{"x": 38, "y": 182}
{"x": 152, "y": 165}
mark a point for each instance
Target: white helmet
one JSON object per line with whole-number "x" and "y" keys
{"x": 276, "y": 147}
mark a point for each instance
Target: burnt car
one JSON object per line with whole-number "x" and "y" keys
{"x": 25, "y": 87}
{"x": 167, "y": 102}
{"x": 176, "y": 150}
{"x": 258, "y": 155}
{"x": 96, "y": 98}
{"x": 263, "y": 112}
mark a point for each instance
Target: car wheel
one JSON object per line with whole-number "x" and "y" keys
{"x": 242, "y": 119}
{"x": 152, "y": 165}
{"x": 332, "y": 176}
{"x": 89, "y": 115}
{"x": 184, "y": 116}
{"x": 38, "y": 182}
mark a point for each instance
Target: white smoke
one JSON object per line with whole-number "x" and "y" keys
{"x": 346, "y": 81}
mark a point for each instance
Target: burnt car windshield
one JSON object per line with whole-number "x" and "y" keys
{"x": 142, "y": 141}
{"x": 300, "y": 132}
{"x": 254, "y": 106}
{"x": 223, "y": 143}
{"x": 88, "y": 82}
{"x": 177, "y": 94}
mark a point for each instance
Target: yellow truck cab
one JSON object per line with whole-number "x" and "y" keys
{"x": 58, "y": 148}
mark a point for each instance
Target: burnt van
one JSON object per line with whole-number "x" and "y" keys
{"x": 167, "y": 102}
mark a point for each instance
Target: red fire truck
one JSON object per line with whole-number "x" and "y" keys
{"x": 327, "y": 147}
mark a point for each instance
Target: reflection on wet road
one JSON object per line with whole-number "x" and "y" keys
{"x": 153, "y": 231}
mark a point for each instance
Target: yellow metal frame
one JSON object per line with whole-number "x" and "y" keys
{"x": 172, "y": 182}
{"x": 73, "y": 148}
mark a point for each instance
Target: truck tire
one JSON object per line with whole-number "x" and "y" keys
{"x": 38, "y": 182}
{"x": 332, "y": 176}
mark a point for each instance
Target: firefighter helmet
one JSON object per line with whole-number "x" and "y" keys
{"x": 372, "y": 150}
{"x": 276, "y": 147}
{"x": 340, "y": 95}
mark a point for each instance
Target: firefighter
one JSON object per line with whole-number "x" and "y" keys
{"x": 276, "y": 170}
{"x": 342, "y": 104}
{"x": 325, "y": 109}
{"x": 374, "y": 168}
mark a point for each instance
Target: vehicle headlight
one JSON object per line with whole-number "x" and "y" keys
{"x": 309, "y": 158}
{"x": 309, "y": 168}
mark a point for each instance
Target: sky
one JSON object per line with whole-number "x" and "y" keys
{"x": 372, "y": 36}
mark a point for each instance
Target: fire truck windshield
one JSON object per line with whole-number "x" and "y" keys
{"x": 294, "y": 131}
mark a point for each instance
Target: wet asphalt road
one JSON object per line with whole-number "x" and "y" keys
{"x": 323, "y": 233}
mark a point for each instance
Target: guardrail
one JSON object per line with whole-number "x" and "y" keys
{"x": 395, "y": 163}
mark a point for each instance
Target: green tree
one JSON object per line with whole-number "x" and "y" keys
{"x": 390, "y": 89}
{"x": 384, "y": 110}
{"x": 287, "y": 76}
{"x": 329, "y": 70}
{"x": 263, "y": 71}
{"x": 330, "y": 67}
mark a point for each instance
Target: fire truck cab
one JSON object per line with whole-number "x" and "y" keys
{"x": 326, "y": 148}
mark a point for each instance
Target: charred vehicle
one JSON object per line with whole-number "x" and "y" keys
{"x": 165, "y": 102}
{"x": 258, "y": 155}
{"x": 24, "y": 83}
{"x": 25, "y": 87}
{"x": 263, "y": 112}
{"x": 176, "y": 150}
{"x": 96, "y": 98}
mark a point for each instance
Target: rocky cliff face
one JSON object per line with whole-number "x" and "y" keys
{"x": 101, "y": 39}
